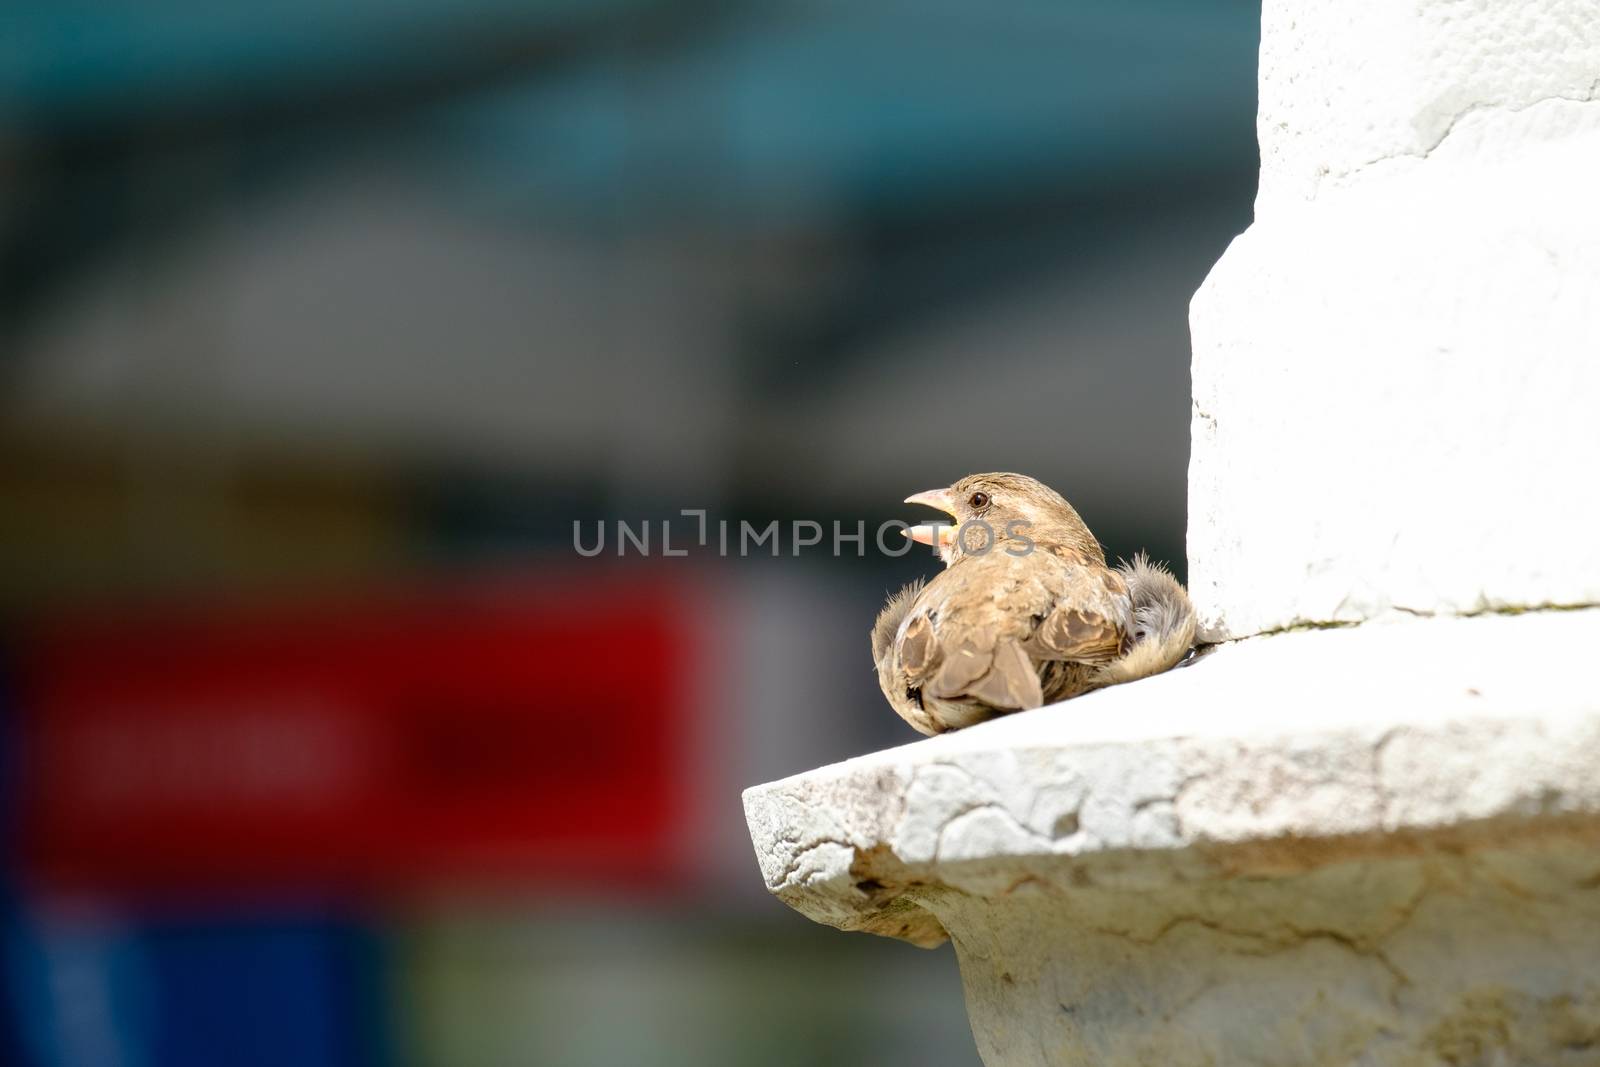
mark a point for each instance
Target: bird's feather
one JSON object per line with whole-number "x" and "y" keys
{"x": 1011, "y": 682}
{"x": 1076, "y": 634}
{"x": 903, "y": 697}
{"x": 1164, "y": 623}
{"x": 891, "y": 616}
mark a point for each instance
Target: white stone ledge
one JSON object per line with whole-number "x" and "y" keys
{"x": 1272, "y": 755}
{"x": 1361, "y": 843}
{"x": 1276, "y": 754}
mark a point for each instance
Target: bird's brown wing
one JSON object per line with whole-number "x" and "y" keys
{"x": 1091, "y": 619}
{"x": 1075, "y": 634}
{"x": 1001, "y": 676}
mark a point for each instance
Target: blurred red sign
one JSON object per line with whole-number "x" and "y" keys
{"x": 532, "y": 731}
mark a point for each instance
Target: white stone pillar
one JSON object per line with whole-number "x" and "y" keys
{"x": 1376, "y": 844}
{"x": 1397, "y": 367}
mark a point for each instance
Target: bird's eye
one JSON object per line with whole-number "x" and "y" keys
{"x": 978, "y": 501}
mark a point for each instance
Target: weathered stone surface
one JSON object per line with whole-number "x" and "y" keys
{"x": 1363, "y": 845}
{"x": 1353, "y": 88}
{"x": 1445, "y": 958}
{"x": 1394, "y": 366}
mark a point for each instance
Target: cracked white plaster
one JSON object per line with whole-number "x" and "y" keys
{"x": 1337, "y": 179}
{"x": 824, "y": 862}
{"x": 939, "y": 793}
{"x": 985, "y": 832}
{"x": 1343, "y": 86}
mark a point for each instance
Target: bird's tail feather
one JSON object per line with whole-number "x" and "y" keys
{"x": 1164, "y": 623}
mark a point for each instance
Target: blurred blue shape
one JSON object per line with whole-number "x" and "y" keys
{"x": 264, "y": 993}
{"x": 76, "y": 992}
{"x": 90, "y": 989}
{"x": 92, "y": 59}
{"x": 753, "y": 110}
{"x": 892, "y": 104}
{"x": 12, "y": 1010}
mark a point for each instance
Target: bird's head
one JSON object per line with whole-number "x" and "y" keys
{"x": 994, "y": 510}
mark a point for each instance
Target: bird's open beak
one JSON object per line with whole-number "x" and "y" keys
{"x": 939, "y": 500}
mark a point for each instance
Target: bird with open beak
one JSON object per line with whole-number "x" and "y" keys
{"x": 1025, "y": 613}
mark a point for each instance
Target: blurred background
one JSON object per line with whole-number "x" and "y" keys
{"x": 320, "y": 328}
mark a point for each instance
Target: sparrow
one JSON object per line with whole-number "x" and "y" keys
{"x": 1025, "y": 613}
